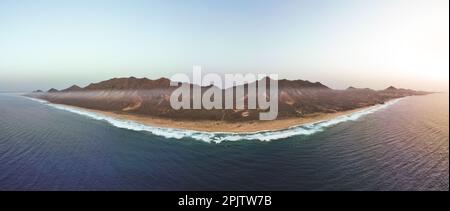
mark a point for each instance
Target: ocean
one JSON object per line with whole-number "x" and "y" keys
{"x": 402, "y": 145}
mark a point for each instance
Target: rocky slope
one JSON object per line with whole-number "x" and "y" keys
{"x": 143, "y": 96}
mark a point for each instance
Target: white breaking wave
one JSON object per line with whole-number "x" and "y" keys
{"x": 217, "y": 137}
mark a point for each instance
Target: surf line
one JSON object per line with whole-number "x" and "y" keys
{"x": 212, "y": 137}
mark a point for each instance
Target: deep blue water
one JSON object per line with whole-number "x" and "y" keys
{"x": 402, "y": 147}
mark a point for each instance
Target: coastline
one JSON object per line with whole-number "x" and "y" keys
{"x": 221, "y": 126}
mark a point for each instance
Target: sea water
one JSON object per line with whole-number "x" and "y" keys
{"x": 401, "y": 145}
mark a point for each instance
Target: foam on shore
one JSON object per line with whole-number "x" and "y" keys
{"x": 217, "y": 137}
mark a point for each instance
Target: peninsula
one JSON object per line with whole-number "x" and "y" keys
{"x": 147, "y": 102}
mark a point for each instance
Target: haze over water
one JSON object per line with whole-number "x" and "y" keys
{"x": 404, "y": 146}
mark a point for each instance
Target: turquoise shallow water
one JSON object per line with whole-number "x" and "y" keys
{"x": 401, "y": 147}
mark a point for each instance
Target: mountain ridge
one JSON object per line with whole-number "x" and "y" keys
{"x": 296, "y": 98}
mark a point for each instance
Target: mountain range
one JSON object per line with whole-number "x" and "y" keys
{"x": 142, "y": 96}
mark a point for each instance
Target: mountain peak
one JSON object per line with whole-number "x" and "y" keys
{"x": 52, "y": 90}
{"x": 129, "y": 83}
{"x": 392, "y": 88}
{"x": 163, "y": 80}
{"x": 72, "y": 88}
{"x": 301, "y": 84}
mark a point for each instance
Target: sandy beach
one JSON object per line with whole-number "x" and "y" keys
{"x": 220, "y": 126}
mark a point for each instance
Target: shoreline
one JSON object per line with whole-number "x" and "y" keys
{"x": 254, "y": 126}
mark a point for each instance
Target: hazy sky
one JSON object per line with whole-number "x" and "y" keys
{"x": 362, "y": 43}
